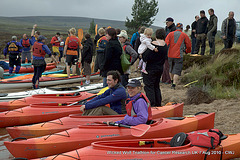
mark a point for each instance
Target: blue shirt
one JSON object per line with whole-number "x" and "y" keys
{"x": 18, "y": 44}
{"x": 33, "y": 39}
{"x": 141, "y": 109}
{"x": 112, "y": 96}
{"x": 134, "y": 38}
{"x": 26, "y": 49}
{"x": 46, "y": 49}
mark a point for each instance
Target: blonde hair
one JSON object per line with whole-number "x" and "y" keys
{"x": 101, "y": 31}
{"x": 72, "y": 31}
{"x": 148, "y": 31}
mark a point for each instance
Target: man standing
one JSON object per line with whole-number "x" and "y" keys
{"x": 178, "y": 43}
{"x": 193, "y": 35}
{"x": 14, "y": 49}
{"x": 201, "y": 31}
{"x": 229, "y": 30}
{"x": 170, "y": 27}
{"x": 212, "y": 30}
{"x": 26, "y": 43}
{"x": 55, "y": 45}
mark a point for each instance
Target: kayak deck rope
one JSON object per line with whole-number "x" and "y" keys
{"x": 61, "y": 123}
{"x": 20, "y": 100}
{"x": 21, "y": 111}
{"x": 58, "y": 135}
{"x": 62, "y": 154}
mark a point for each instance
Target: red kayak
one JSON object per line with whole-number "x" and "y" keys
{"x": 152, "y": 150}
{"x": 73, "y": 121}
{"x": 37, "y": 113}
{"x": 42, "y": 98}
{"x": 84, "y": 135}
{"x": 30, "y": 69}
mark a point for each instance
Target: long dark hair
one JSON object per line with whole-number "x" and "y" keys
{"x": 112, "y": 32}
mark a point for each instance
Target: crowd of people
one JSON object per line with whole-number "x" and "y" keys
{"x": 160, "y": 59}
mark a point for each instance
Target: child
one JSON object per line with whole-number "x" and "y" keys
{"x": 62, "y": 43}
{"x": 146, "y": 40}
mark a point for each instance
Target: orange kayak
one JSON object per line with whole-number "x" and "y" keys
{"x": 42, "y": 98}
{"x": 84, "y": 135}
{"x": 30, "y": 69}
{"x": 73, "y": 121}
{"x": 131, "y": 149}
{"x": 37, "y": 113}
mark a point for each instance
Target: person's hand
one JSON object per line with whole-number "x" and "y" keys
{"x": 82, "y": 108}
{"x": 155, "y": 49}
{"x": 34, "y": 26}
{"x": 81, "y": 47}
{"x": 194, "y": 30}
{"x": 224, "y": 37}
{"x": 108, "y": 122}
{"x": 195, "y": 35}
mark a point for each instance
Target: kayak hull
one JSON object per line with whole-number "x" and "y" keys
{"x": 30, "y": 69}
{"x": 73, "y": 121}
{"x": 45, "y": 81}
{"x": 84, "y": 135}
{"x": 37, "y": 113}
{"x": 41, "y": 98}
{"x": 130, "y": 149}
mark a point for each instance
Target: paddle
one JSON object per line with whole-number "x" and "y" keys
{"x": 136, "y": 131}
{"x": 80, "y": 34}
{"x": 96, "y": 32}
{"x": 82, "y": 100}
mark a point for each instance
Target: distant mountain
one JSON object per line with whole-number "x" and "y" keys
{"x": 49, "y": 24}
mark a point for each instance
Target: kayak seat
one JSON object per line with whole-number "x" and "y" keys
{"x": 150, "y": 122}
{"x": 176, "y": 118}
{"x": 3, "y": 94}
{"x": 76, "y": 94}
{"x": 177, "y": 140}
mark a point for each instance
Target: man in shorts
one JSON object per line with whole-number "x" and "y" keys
{"x": 55, "y": 45}
{"x": 178, "y": 43}
{"x": 71, "y": 51}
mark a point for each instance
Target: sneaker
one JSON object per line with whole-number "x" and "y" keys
{"x": 173, "y": 86}
{"x": 144, "y": 71}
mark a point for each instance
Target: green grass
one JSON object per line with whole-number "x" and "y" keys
{"x": 221, "y": 75}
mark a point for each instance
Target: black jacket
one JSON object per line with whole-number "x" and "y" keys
{"x": 112, "y": 60}
{"x": 194, "y": 26}
{"x": 170, "y": 28}
{"x": 155, "y": 61}
{"x": 87, "y": 51}
{"x": 202, "y": 26}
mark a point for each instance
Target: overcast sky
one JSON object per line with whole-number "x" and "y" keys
{"x": 181, "y": 10}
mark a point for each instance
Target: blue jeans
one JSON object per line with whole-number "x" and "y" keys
{"x": 193, "y": 44}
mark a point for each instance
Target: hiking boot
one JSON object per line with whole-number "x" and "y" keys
{"x": 173, "y": 86}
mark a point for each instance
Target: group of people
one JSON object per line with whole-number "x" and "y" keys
{"x": 158, "y": 59}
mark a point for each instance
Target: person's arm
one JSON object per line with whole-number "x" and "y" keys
{"x": 206, "y": 29}
{"x": 86, "y": 47}
{"x": 132, "y": 53}
{"x": 223, "y": 29}
{"x": 20, "y": 46}
{"x": 107, "y": 56}
{"x": 5, "y": 51}
{"x": 141, "y": 110}
{"x": 107, "y": 98}
{"x": 149, "y": 45}
{"x": 102, "y": 43}
{"x": 33, "y": 30}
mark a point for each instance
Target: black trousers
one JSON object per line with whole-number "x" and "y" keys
{"x": 151, "y": 86}
{"x": 228, "y": 43}
{"x": 38, "y": 70}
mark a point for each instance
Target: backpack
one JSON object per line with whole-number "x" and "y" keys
{"x": 12, "y": 47}
{"x": 125, "y": 60}
{"x": 206, "y": 138}
{"x": 25, "y": 43}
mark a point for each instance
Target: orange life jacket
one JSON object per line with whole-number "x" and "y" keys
{"x": 25, "y": 43}
{"x": 73, "y": 43}
{"x": 37, "y": 50}
{"x": 130, "y": 109}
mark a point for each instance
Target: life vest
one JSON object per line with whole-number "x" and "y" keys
{"x": 12, "y": 47}
{"x": 73, "y": 43}
{"x": 25, "y": 43}
{"x": 37, "y": 50}
{"x": 130, "y": 109}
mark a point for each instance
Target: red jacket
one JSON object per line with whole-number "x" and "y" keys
{"x": 178, "y": 43}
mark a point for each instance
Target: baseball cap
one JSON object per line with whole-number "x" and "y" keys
{"x": 41, "y": 37}
{"x": 179, "y": 26}
{"x": 123, "y": 33}
{"x": 134, "y": 83}
{"x": 169, "y": 19}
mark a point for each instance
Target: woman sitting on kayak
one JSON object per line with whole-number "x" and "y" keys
{"x": 137, "y": 106}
